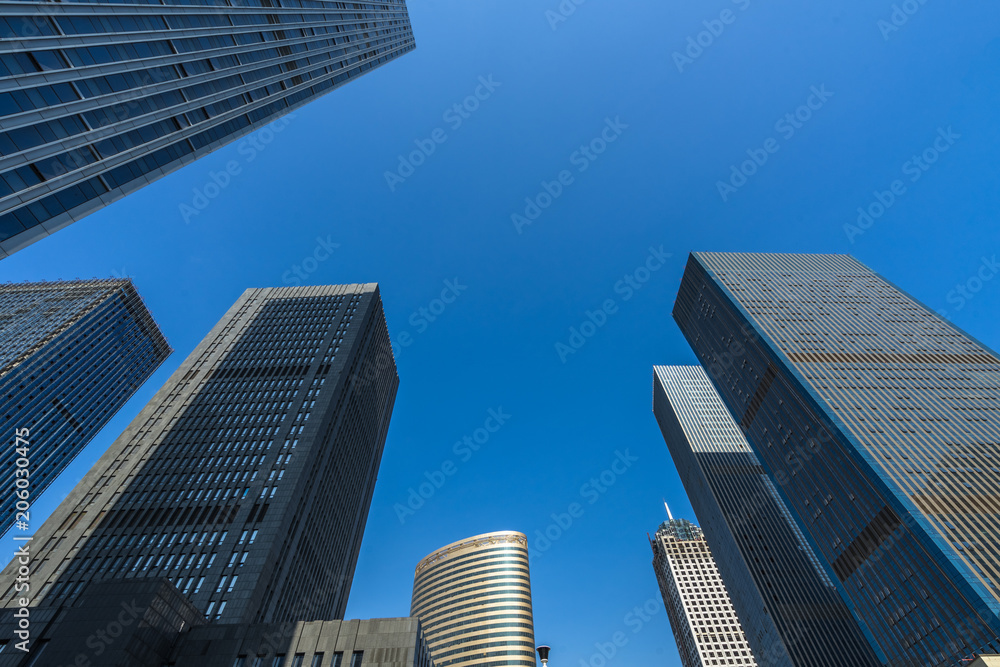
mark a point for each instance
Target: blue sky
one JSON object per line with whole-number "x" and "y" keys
{"x": 887, "y": 95}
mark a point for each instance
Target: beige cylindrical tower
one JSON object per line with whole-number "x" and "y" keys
{"x": 473, "y": 599}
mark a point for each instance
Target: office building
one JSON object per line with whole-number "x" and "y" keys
{"x": 473, "y": 599}
{"x": 148, "y": 623}
{"x": 788, "y": 605}
{"x": 377, "y": 642}
{"x": 99, "y": 98}
{"x": 71, "y": 354}
{"x": 705, "y": 625}
{"x": 246, "y": 480}
{"x": 985, "y": 661}
{"x": 876, "y": 421}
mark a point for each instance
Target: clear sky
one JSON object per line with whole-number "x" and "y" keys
{"x": 880, "y": 96}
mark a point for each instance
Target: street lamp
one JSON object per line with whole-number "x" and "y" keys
{"x": 543, "y": 653}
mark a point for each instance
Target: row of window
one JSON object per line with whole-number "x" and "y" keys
{"x": 278, "y": 660}
{"x": 20, "y": 219}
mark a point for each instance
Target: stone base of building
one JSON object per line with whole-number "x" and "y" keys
{"x": 148, "y": 623}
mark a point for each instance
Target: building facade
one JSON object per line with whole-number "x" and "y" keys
{"x": 377, "y": 642}
{"x": 705, "y": 625}
{"x": 473, "y": 598}
{"x": 876, "y": 420}
{"x": 246, "y": 480}
{"x": 71, "y": 355}
{"x": 99, "y": 98}
{"x": 787, "y": 603}
{"x": 148, "y": 623}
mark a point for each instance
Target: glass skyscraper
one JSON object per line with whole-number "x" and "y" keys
{"x": 99, "y": 98}
{"x": 877, "y": 422}
{"x": 244, "y": 485}
{"x": 71, "y": 354}
{"x": 703, "y": 620}
{"x": 787, "y": 603}
{"x": 473, "y": 599}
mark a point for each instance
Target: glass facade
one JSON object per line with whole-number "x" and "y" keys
{"x": 71, "y": 355}
{"x": 787, "y": 603}
{"x": 99, "y": 98}
{"x": 705, "y": 625}
{"x": 876, "y": 421}
{"x": 246, "y": 481}
{"x": 473, "y": 599}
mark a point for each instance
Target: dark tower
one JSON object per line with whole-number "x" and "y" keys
{"x": 877, "y": 422}
{"x": 246, "y": 481}
{"x": 788, "y": 604}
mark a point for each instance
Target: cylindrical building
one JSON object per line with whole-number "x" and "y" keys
{"x": 473, "y": 599}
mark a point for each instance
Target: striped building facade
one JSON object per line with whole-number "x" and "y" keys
{"x": 71, "y": 354}
{"x": 473, "y": 599}
{"x": 245, "y": 482}
{"x": 99, "y": 98}
{"x": 878, "y": 422}
{"x": 787, "y": 603}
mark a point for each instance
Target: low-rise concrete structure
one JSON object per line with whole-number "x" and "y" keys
{"x": 148, "y": 623}
{"x": 379, "y": 642}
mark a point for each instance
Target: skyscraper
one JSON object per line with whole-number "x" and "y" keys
{"x": 246, "y": 480}
{"x": 876, "y": 420}
{"x": 71, "y": 355}
{"x": 705, "y": 625}
{"x": 99, "y": 98}
{"x": 788, "y": 604}
{"x": 473, "y": 599}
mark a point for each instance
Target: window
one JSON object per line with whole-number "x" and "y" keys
{"x": 356, "y": 658}
{"x": 297, "y": 660}
{"x": 338, "y": 658}
{"x": 317, "y": 660}
{"x": 278, "y": 659}
{"x": 241, "y": 661}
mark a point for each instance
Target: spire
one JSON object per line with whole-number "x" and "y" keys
{"x": 671, "y": 516}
